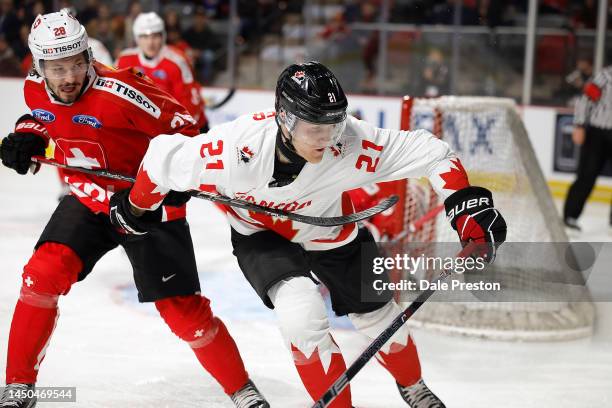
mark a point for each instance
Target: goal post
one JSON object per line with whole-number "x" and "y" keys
{"x": 491, "y": 141}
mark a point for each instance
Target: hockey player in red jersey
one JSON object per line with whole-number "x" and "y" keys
{"x": 165, "y": 64}
{"x": 87, "y": 115}
{"x": 304, "y": 156}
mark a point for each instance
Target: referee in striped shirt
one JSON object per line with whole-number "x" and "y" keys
{"x": 592, "y": 131}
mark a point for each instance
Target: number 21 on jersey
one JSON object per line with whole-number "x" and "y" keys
{"x": 369, "y": 161}
{"x": 209, "y": 151}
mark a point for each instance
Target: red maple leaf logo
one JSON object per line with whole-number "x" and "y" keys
{"x": 145, "y": 192}
{"x": 456, "y": 178}
{"x": 282, "y": 227}
{"x": 247, "y": 151}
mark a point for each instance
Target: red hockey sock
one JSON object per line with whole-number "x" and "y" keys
{"x": 50, "y": 272}
{"x": 30, "y": 334}
{"x": 222, "y": 360}
{"x": 317, "y": 378}
{"x": 402, "y": 362}
{"x": 191, "y": 319}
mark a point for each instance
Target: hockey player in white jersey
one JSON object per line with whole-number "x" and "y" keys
{"x": 303, "y": 157}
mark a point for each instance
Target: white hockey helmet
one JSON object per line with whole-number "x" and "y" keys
{"x": 148, "y": 23}
{"x": 57, "y": 35}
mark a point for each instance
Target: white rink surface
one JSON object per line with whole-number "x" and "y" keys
{"x": 120, "y": 354}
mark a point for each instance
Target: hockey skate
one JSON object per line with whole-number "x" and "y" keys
{"x": 16, "y": 396}
{"x": 419, "y": 396}
{"x": 572, "y": 228}
{"x": 249, "y": 397}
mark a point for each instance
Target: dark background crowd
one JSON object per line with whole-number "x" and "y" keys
{"x": 200, "y": 29}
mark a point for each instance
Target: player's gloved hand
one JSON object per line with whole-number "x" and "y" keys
{"x": 471, "y": 213}
{"x": 29, "y": 139}
{"x": 122, "y": 216}
{"x": 176, "y": 198}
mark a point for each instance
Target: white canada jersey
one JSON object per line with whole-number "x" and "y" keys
{"x": 237, "y": 159}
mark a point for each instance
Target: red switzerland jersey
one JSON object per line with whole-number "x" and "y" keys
{"x": 171, "y": 71}
{"x": 108, "y": 127}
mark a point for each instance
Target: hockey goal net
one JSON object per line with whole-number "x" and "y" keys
{"x": 490, "y": 139}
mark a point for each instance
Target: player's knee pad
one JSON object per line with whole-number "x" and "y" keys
{"x": 373, "y": 323}
{"x": 302, "y": 316}
{"x": 190, "y": 318}
{"x": 49, "y": 273}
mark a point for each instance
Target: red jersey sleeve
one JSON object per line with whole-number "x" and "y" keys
{"x": 184, "y": 86}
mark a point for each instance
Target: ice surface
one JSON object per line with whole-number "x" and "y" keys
{"x": 120, "y": 354}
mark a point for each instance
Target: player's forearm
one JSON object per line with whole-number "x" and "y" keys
{"x": 441, "y": 165}
{"x": 169, "y": 164}
{"x": 448, "y": 176}
{"x": 420, "y": 154}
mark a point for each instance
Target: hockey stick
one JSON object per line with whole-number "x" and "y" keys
{"x": 341, "y": 383}
{"x": 234, "y": 202}
{"x": 223, "y": 101}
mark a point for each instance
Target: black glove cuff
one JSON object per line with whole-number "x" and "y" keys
{"x": 467, "y": 201}
{"x": 176, "y": 198}
{"x": 122, "y": 216}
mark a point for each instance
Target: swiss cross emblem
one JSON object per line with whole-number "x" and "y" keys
{"x": 80, "y": 153}
{"x": 28, "y": 281}
{"x": 299, "y": 77}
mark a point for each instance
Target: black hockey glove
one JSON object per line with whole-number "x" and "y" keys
{"x": 176, "y": 198}
{"x": 29, "y": 139}
{"x": 471, "y": 213}
{"x": 122, "y": 217}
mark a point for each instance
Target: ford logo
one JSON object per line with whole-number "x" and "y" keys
{"x": 43, "y": 115}
{"x": 87, "y": 120}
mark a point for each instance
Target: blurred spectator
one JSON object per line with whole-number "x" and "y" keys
{"x": 444, "y": 13}
{"x": 9, "y": 64}
{"x": 99, "y": 52}
{"x": 586, "y": 14}
{"x": 175, "y": 38}
{"x": 205, "y": 44}
{"x": 133, "y": 10}
{"x": 9, "y": 21}
{"x": 172, "y": 20}
{"x": 493, "y": 13}
{"x": 553, "y": 6}
{"x": 368, "y": 14}
{"x": 336, "y": 28}
{"x": 90, "y": 11}
{"x": 67, "y": 4}
{"x": 20, "y": 46}
{"x": 435, "y": 76}
{"x": 104, "y": 33}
